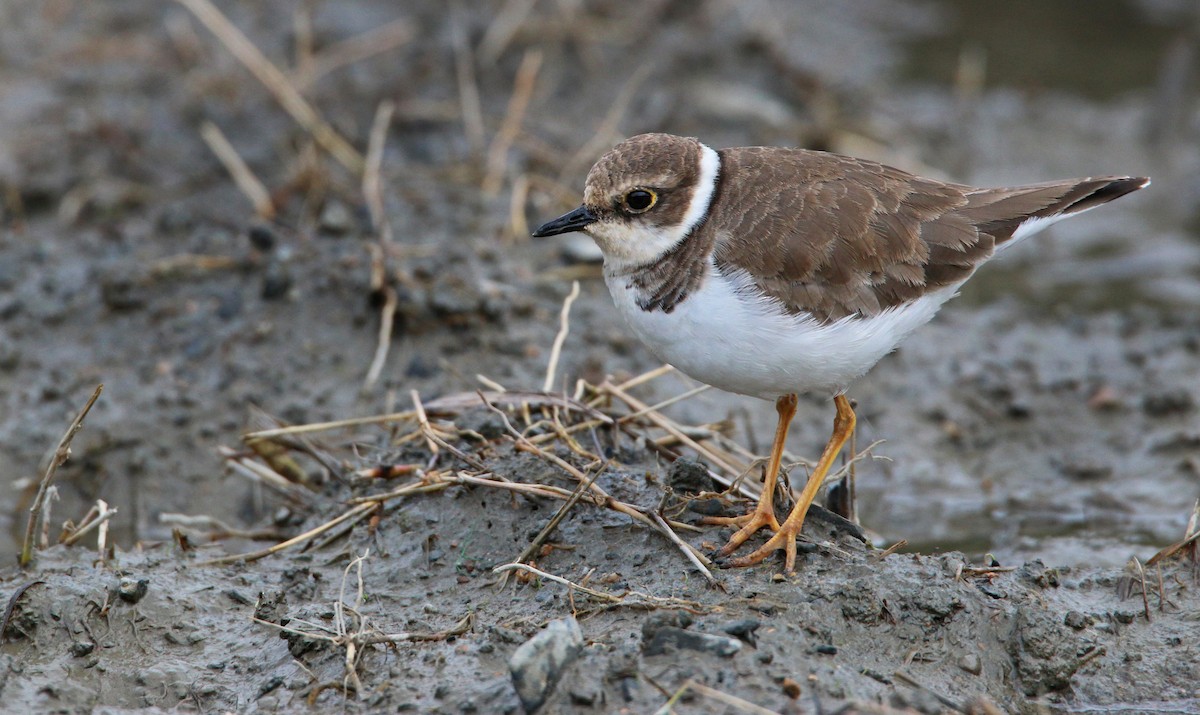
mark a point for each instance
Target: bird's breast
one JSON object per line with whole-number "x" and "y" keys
{"x": 726, "y": 334}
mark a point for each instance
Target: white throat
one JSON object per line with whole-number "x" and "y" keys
{"x": 625, "y": 248}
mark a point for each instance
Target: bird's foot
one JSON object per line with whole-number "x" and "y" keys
{"x": 750, "y": 523}
{"x": 784, "y": 538}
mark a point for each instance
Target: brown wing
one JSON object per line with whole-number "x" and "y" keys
{"x": 834, "y": 236}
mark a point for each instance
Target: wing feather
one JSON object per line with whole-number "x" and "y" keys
{"x": 833, "y": 236}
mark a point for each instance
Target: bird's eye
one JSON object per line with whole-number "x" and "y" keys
{"x": 640, "y": 200}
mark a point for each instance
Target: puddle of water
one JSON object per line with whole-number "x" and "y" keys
{"x": 1098, "y": 49}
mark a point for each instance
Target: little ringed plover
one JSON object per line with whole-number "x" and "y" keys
{"x": 771, "y": 272}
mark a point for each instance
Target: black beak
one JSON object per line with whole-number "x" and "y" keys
{"x": 577, "y": 220}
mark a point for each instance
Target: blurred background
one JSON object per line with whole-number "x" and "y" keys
{"x": 1050, "y": 411}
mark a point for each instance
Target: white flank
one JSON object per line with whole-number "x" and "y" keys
{"x": 1032, "y": 226}
{"x": 727, "y": 335}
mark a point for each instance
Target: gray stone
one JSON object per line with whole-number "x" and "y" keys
{"x": 538, "y": 663}
{"x": 689, "y": 477}
{"x": 743, "y": 630}
{"x": 132, "y": 590}
{"x": 336, "y": 218}
{"x": 81, "y": 648}
{"x": 1163, "y": 404}
{"x": 674, "y": 619}
{"x": 1077, "y": 620}
{"x": 971, "y": 663}
{"x": 670, "y": 638}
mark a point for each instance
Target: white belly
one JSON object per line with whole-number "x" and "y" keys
{"x": 725, "y": 337}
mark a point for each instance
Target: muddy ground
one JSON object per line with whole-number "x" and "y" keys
{"x": 1046, "y": 422}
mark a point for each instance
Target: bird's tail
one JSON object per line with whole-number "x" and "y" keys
{"x": 1014, "y": 213}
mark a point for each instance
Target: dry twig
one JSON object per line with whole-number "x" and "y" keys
{"x": 61, "y": 453}
{"x": 358, "y": 512}
{"x": 217, "y": 529}
{"x": 464, "y": 70}
{"x": 328, "y": 426}
{"x": 607, "y": 129}
{"x": 555, "y": 520}
{"x": 891, "y": 549}
{"x": 912, "y": 682}
{"x": 51, "y": 497}
{"x": 672, "y": 428}
{"x": 97, "y": 517}
{"x": 524, "y": 445}
{"x": 423, "y": 422}
{"x": 372, "y": 187}
{"x": 517, "y": 104}
{"x": 259, "y": 473}
{"x": 508, "y": 21}
{"x": 699, "y": 560}
{"x": 276, "y": 82}
{"x": 372, "y": 182}
{"x": 724, "y": 698}
{"x": 354, "y": 49}
{"x": 564, "y": 327}
{"x": 350, "y": 630}
{"x": 432, "y": 483}
{"x": 243, "y": 177}
{"x": 387, "y": 319}
{"x": 602, "y": 595}
{"x": 11, "y": 606}
{"x": 518, "y": 226}
{"x": 1190, "y": 538}
{"x": 629, "y": 599}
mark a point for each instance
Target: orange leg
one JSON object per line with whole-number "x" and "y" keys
{"x": 785, "y": 536}
{"x": 764, "y": 512}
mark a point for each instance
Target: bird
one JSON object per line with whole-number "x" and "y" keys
{"x": 774, "y": 272}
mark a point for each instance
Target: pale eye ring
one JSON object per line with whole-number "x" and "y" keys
{"x": 639, "y": 200}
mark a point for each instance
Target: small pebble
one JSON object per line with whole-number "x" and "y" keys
{"x": 276, "y": 281}
{"x": 270, "y": 684}
{"x": 687, "y": 476}
{"x": 791, "y": 688}
{"x": 670, "y": 638}
{"x": 743, "y": 630}
{"x": 238, "y": 597}
{"x": 664, "y": 619}
{"x": 82, "y": 648}
{"x": 1077, "y": 620}
{"x": 335, "y": 218}
{"x": 1084, "y": 468}
{"x": 262, "y": 237}
{"x": 971, "y": 663}
{"x": 132, "y": 590}
{"x": 765, "y": 608}
{"x": 1164, "y": 404}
